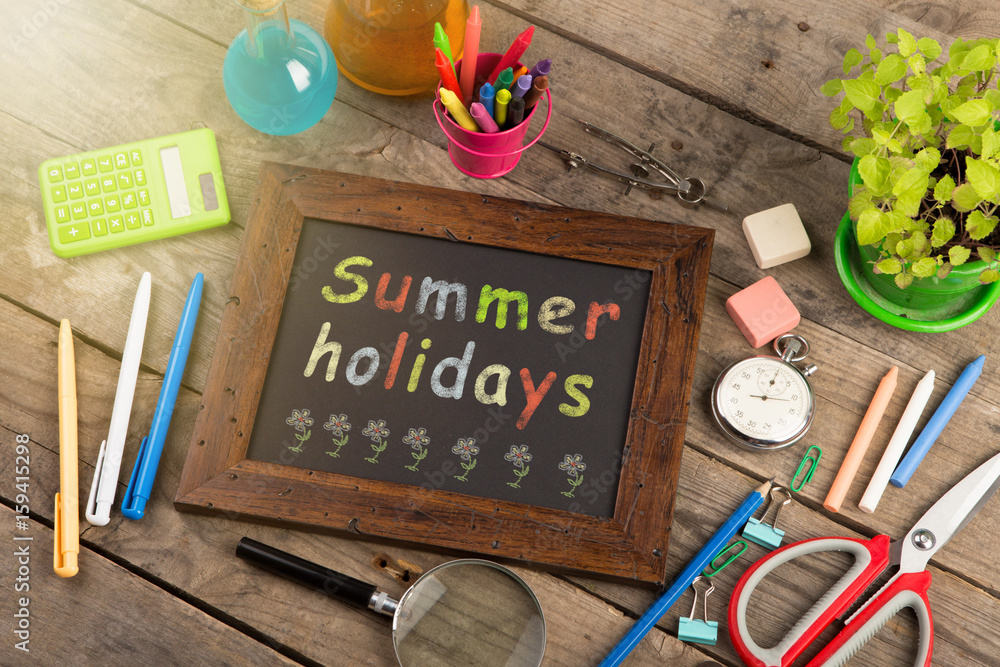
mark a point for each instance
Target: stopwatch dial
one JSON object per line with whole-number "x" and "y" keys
{"x": 764, "y": 400}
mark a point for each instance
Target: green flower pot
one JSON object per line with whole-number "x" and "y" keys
{"x": 928, "y": 304}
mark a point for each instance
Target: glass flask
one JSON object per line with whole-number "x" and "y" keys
{"x": 280, "y": 76}
{"x": 387, "y": 46}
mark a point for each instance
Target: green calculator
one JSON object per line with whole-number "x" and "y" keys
{"x": 136, "y": 192}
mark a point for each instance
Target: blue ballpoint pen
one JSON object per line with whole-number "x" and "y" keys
{"x": 140, "y": 484}
{"x": 687, "y": 576}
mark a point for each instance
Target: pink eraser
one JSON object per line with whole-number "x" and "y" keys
{"x": 762, "y": 311}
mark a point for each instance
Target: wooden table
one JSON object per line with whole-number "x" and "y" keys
{"x": 728, "y": 92}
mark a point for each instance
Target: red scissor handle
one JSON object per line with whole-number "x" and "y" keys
{"x": 905, "y": 590}
{"x": 871, "y": 557}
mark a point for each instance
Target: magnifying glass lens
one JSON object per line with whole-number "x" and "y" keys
{"x": 469, "y": 612}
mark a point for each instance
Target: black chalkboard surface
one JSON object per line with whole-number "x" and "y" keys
{"x": 489, "y": 372}
{"x": 390, "y": 355}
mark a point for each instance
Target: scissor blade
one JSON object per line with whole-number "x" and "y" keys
{"x": 949, "y": 515}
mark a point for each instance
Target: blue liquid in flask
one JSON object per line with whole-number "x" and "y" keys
{"x": 284, "y": 80}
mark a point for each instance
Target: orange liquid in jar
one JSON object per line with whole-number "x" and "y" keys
{"x": 387, "y": 46}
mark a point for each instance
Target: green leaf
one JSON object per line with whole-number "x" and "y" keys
{"x": 992, "y": 95}
{"x": 988, "y": 255}
{"x": 870, "y": 226}
{"x": 875, "y": 173}
{"x": 903, "y": 280}
{"x": 944, "y": 231}
{"x": 870, "y": 41}
{"x": 917, "y": 63}
{"x": 925, "y": 268}
{"x": 911, "y": 183}
{"x": 929, "y": 47}
{"x": 944, "y": 188}
{"x": 964, "y": 198}
{"x": 863, "y": 146}
{"x": 851, "y": 58}
{"x": 891, "y": 38}
{"x": 910, "y": 105}
{"x": 960, "y": 137}
{"x": 907, "y": 44}
{"x": 973, "y": 113}
{"x": 981, "y": 58}
{"x": 928, "y": 159}
{"x": 875, "y": 55}
{"x": 839, "y": 119}
{"x": 832, "y": 87}
{"x": 984, "y": 177}
{"x": 991, "y": 142}
{"x": 863, "y": 94}
{"x": 979, "y": 225}
{"x": 989, "y": 276}
{"x": 890, "y": 266}
{"x": 890, "y": 70}
{"x": 958, "y": 255}
{"x": 859, "y": 203}
{"x": 904, "y": 248}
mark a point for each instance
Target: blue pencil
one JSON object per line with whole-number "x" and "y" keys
{"x": 687, "y": 576}
{"x": 936, "y": 423}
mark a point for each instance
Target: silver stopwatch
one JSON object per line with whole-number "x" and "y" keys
{"x": 764, "y": 402}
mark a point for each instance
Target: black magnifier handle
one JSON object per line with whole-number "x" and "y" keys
{"x": 316, "y": 577}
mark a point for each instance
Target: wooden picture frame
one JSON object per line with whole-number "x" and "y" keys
{"x": 632, "y": 545}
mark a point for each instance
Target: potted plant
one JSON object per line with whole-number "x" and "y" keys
{"x": 919, "y": 244}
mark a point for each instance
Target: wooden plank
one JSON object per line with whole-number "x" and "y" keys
{"x": 106, "y": 611}
{"x": 198, "y": 557}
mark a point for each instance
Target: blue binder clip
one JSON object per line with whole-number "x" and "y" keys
{"x": 698, "y": 630}
{"x": 767, "y": 535}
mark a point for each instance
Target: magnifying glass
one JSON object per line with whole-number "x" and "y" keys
{"x": 466, "y": 612}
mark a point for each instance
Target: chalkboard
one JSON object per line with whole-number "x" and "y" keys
{"x": 454, "y": 370}
{"x": 495, "y": 373}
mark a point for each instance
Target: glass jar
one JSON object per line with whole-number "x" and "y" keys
{"x": 387, "y": 46}
{"x": 280, "y": 76}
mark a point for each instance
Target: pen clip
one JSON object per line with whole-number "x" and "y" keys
{"x": 134, "y": 506}
{"x": 92, "y": 515}
{"x": 63, "y": 562}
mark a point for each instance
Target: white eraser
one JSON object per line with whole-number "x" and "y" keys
{"x": 776, "y": 236}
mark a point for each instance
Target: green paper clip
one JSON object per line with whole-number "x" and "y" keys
{"x": 814, "y": 463}
{"x": 698, "y": 630}
{"x": 714, "y": 569}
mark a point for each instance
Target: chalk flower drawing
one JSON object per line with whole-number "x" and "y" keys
{"x": 573, "y": 465}
{"x": 338, "y": 426}
{"x": 378, "y": 434}
{"x": 466, "y": 449}
{"x": 418, "y": 440}
{"x": 519, "y": 456}
{"x": 300, "y": 419}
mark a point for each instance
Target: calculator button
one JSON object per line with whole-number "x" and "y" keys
{"x": 79, "y": 231}
{"x": 144, "y": 197}
{"x": 62, "y": 213}
{"x": 72, "y": 170}
{"x": 125, "y": 180}
{"x": 116, "y": 223}
{"x": 89, "y": 167}
{"x": 92, "y": 187}
{"x": 113, "y": 203}
{"x": 79, "y": 211}
{"x": 121, "y": 160}
{"x": 59, "y": 193}
{"x": 132, "y": 220}
{"x": 100, "y": 227}
{"x": 147, "y": 217}
{"x": 104, "y": 164}
{"x": 55, "y": 174}
{"x": 108, "y": 184}
{"x": 95, "y": 207}
{"x": 140, "y": 177}
{"x": 75, "y": 190}
{"x": 136, "y": 156}
{"x": 128, "y": 200}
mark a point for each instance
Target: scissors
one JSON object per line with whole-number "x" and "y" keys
{"x": 907, "y": 588}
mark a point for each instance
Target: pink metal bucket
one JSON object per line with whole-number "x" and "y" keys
{"x": 485, "y": 154}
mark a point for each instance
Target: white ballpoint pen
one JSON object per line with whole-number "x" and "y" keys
{"x": 109, "y": 461}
